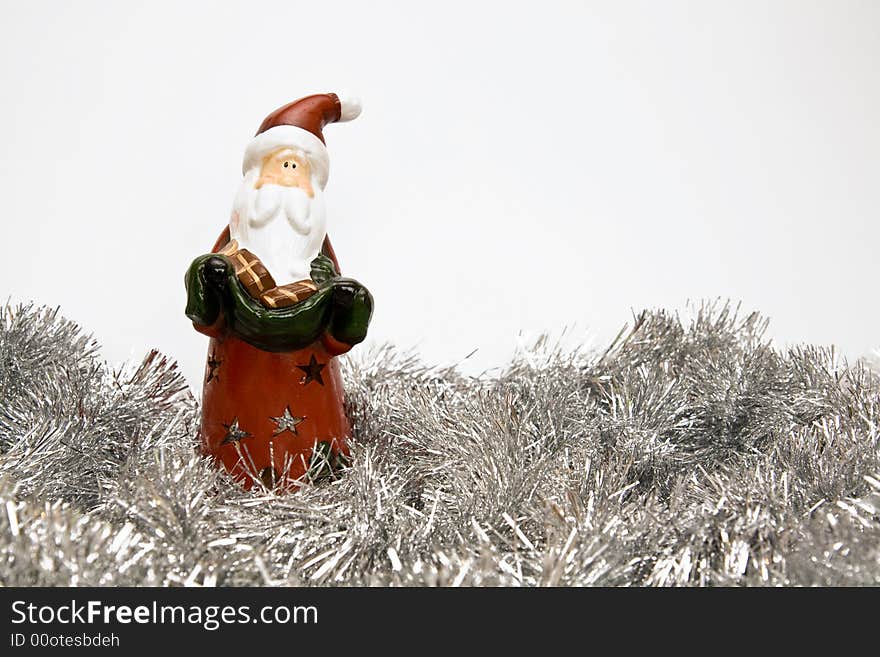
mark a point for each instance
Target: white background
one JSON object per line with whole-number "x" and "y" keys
{"x": 518, "y": 168}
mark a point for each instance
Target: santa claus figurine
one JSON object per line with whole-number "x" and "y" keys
{"x": 272, "y": 300}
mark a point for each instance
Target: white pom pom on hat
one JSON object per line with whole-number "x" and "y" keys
{"x": 300, "y": 125}
{"x": 350, "y": 108}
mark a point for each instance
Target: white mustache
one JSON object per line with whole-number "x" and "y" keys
{"x": 270, "y": 199}
{"x": 265, "y": 204}
{"x": 298, "y": 210}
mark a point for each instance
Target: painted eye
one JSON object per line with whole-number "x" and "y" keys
{"x": 286, "y": 164}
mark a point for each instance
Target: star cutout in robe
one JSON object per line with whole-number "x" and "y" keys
{"x": 313, "y": 371}
{"x": 213, "y": 366}
{"x": 234, "y": 433}
{"x": 287, "y": 422}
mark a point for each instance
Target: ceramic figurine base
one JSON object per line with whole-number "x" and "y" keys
{"x": 264, "y": 413}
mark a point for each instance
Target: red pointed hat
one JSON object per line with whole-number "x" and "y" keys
{"x": 299, "y": 125}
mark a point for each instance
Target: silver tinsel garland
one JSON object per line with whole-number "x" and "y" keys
{"x": 688, "y": 453}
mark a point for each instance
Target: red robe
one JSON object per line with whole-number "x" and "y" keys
{"x": 264, "y": 413}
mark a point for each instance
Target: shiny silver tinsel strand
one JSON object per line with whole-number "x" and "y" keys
{"x": 690, "y": 452}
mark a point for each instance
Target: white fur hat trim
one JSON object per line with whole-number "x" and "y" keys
{"x": 289, "y": 136}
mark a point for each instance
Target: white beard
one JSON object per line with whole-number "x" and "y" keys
{"x": 282, "y": 226}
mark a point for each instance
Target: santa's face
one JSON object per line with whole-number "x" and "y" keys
{"x": 279, "y": 215}
{"x": 287, "y": 168}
